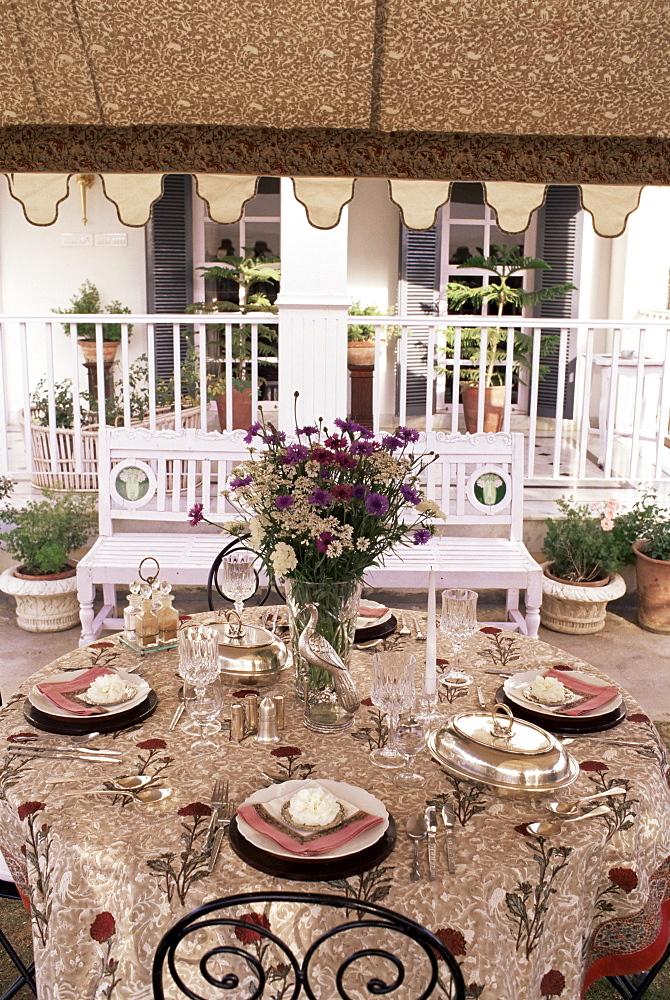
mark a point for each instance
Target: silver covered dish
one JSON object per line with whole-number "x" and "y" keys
{"x": 251, "y": 653}
{"x": 508, "y": 755}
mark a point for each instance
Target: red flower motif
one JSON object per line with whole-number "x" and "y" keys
{"x": 103, "y": 927}
{"x": 562, "y": 666}
{"x": 593, "y": 765}
{"x": 625, "y": 878}
{"x": 28, "y": 808}
{"x": 22, "y": 737}
{"x": 490, "y": 630}
{"x": 184, "y": 618}
{"x": 368, "y": 702}
{"x": 287, "y": 752}
{"x": 248, "y": 936}
{"x": 244, "y": 693}
{"x": 452, "y": 939}
{"x": 441, "y": 662}
{"x": 552, "y": 984}
{"x": 101, "y": 645}
{"x": 152, "y": 745}
{"x": 522, "y": 829}
{"x": 195, "y": 809}
{"x": 639, "y": 717}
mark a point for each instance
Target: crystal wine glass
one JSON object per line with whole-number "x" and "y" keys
{"x": 239, "y": 578}
{"x": 204, "y": 709}
{"x": 458, "y": 621}
{"x": 393, "y": 693}
{"x": 411, "y": 736}
{"x": 199, "y": 666}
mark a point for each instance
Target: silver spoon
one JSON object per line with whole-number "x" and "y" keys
{"x": 546, "y": 828}
{"x": 416, "y": 831}
{"x": 572, "y": 808}
{"x": 84, "y": 737}
{"x": 143, "y": 795}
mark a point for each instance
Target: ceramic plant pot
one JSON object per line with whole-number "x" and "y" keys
{"x": 494, "y": 407}
{"x": 653, "y": 591}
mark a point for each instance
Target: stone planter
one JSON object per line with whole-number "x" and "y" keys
{"x": 43, "y": 603}
{"x": 577, "y": 609}
{"x": 653, "y": 591}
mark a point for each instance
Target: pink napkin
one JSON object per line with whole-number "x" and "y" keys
{"x": 318, "y": 845}
{"x": 601, "y": 695}
{"x": 56, "y": 692}
{"x": 365, "y": 611}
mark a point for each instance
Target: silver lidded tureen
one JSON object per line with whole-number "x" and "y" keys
{"x": 250, "y": 652}
{"x": 512, "y": 757}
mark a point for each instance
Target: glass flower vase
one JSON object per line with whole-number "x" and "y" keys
{"x": 327, "y": 610}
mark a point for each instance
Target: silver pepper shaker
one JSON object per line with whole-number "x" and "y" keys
{"x": 267, "y": 722}
{"x": 279, "y": 705}
{"x": 251, "y": 710}
{"x": 237, "y": 722}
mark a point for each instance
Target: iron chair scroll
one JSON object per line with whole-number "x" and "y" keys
{"x": 26, "y": 976}
{"x": 223, "y": 962}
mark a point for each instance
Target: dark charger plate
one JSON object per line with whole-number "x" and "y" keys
{"x": 564, "y": 725}
{"x": 312, "y": 870}
{"x": 90, "y": 723}
{"x": 373, "y": 632}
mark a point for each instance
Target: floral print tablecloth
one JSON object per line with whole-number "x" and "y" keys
{"x": 525, "y": 916}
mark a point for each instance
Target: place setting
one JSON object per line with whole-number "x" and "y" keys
{"x": 565, "y": 702}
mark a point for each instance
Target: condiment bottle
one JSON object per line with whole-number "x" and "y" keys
{"x": 131, "y": 611}
{"x": 168, "y": 617}
{"x": 146, "y": 622}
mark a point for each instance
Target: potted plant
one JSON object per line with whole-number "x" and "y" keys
{"x": 585, "y": 548}
{"x": 504, "y": 263}
{"x": 253, "y": 275}
{"x": 87, "y": 301}
{"x": 361, "y": 336}
{"x": 41, "y": 536}
{"x": 652, "y": 567}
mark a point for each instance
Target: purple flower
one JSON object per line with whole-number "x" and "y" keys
{"x": 336, "y": 442}
{"x": 407, "y": 434}
{"x": 421, "y": 536}
{"x": 195, "y": 514}
{"x": 362, "y": 448}
{"x": 410, "y": 494}
{"x": 284, "y": 501}
{"x": 344, "y": 425}
{"x": 307, "y": 431}
{"x": 359, "y": 491}
{"x": 342, "y": 492}
{"x": 294, "y": 453}
{"x": 252, "y": 432}
{"x": 390, "y": 442}
{"x": 377, "y": 504}
{"x": 345, "y": 460}
{"x": 322, "y": 456}
{"x": 321, "y": 498}
{"x": 324, "y": 541}
{"x": 237, "y": 482}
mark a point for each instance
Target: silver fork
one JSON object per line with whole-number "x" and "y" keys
{"x": 404, "y": 630}
{"x": 216, "y": 802}
{"x": 419, "y": 634}
{"x": 224, "y": 823}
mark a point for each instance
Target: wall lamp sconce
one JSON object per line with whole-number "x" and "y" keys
{"x": 84, "y": 181}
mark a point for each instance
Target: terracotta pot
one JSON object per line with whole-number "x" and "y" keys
{"x": 361, "y": 353}
{"x": 577, "y": 608}
{"x": 43, "y": 603}
{"x": 494, "y": 407}
{"x": 109, "y": 349}
{"x": 653, "y": 591}
{"x": 242, "y": 409}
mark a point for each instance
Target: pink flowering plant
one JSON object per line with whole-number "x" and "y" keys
{"x": 326, "y": 505}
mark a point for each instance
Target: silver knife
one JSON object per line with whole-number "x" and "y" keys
{"x": 480, "y": 697}
{"x": 50, "y": 748}
{"x": 216, "y": 845}
{"x": 72, "y": 755}
{"x": 431, "y": 829}
{"x": 449, "y": 819}
{"x": 179, "y": 711}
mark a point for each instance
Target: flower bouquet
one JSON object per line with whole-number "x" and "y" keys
{"x": 320, "y": 509}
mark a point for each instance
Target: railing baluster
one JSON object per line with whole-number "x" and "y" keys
{"x": 51, "y": 394}
{"x": 534, "y": 389}
{"x": 430, "y": 378}
{"x": 586, "y": 404}
{"x": 151, "y": 365}
{"x": 229, "y": 376}
{"x": 456, "y": 379}
{"x": 560, "y": 399}
{"x": 637, "y": 407}
{"x": 125, "y": 375}
{"x": 611, "y": 407}
{"x": 663, "y": 431}
{"x": 201, "y": 332}
{"x": 4, "y": 439}
{"x": 254, "y": 371}
{"x": 27, "y": 416}
{"x": 76, "y": 403}
{"x": 100, "y": 374}
{"x": 176, "y": 368}
{"x": 403, "y": 375}
{"x": 483, "y": 345}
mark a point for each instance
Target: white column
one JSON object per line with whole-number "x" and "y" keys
{"x": 313, "y": 308}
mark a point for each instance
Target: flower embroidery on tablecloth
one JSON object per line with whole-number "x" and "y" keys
{"x": 455, "y": 942}
{"x": 291, "y": 769}
{"x": 103, "y": 930}
{"x": 179, "y": 870}
{"x": 376, "y": 733}
{"x": 552, "y": 984}
{"x": 623, "y": 809}
{"x": 36, "y": 849}
{"x": 529, "y": 904}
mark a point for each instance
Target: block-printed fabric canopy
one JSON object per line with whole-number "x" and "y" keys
{"x": 522, "y": 92}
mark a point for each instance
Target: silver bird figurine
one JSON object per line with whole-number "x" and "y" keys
{"x": 318, "y": 652}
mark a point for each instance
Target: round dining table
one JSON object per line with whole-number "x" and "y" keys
{"x": 526, "y": 916}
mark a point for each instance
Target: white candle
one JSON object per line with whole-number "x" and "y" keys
{"x": 430, "y": 684}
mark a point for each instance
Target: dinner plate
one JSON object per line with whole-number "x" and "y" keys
{"x": 47, "y": 707}
{"x": 565, "y": 725}
{"x": 363, "y": 622}
{"x": 340, "y": 789}
{"x": 80, "y": 725}
{"x": 514, "y": 689}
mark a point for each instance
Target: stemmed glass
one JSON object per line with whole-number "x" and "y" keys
{"x": 199, "y": 666}
{"x": 239, "y": 578}
{"x": 411, "y": 736}
{"x": 458, "y": 621}
{"x": 393, "y": 693}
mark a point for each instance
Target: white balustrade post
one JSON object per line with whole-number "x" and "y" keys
{"x": 313, "y": 308}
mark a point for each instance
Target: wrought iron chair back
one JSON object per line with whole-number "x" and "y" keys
{"x": 263, "y": 586}
{"x": 26, "y": 976}
{"x": 229, "y": 947}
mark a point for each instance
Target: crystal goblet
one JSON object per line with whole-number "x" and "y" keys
{"x": 392, "y": 692}
{"x": 411, "y": 736}
{"x": 458, "y": 622}
{"x": 239, "y": 577}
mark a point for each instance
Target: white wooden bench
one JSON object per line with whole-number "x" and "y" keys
{"x": 137, "y": 469}
{"x": 478, "y": 482}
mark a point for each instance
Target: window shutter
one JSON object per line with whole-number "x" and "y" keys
{"x": 418, "y": 288}
{"x": 559, "y": 241}
{"x": 169, "y": 253}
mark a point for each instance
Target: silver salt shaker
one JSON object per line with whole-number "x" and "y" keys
{"x": 267, "y": 723}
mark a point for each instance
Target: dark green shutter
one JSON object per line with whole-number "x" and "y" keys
{"x": 169, "y": 252}
{"x": 416, "y": 296}
{"x": 559, "y": 240}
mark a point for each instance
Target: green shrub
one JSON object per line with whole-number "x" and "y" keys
{"x": 45, "y": 532}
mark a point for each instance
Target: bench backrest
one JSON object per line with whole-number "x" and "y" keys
{"x": 477, "y": 479}
{"x": 138, "y": 469}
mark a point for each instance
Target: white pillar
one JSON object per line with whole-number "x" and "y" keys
{"x": 313, "y": 306}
